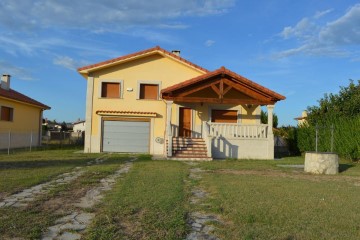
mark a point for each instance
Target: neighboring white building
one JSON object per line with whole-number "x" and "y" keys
{"x": 79, "y": 126}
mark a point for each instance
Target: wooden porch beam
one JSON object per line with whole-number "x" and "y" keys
{"x": 221, "y": 101}
{"x": 247, "y": 91}
{"x": 227, "y": 89}
{"x": 196, "y": 89}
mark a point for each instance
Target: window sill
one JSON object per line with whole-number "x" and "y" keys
{"x": 148, "y": 99}
{"x": 110, "y": 98}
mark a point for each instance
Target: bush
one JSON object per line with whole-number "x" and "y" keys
{"x": 346, "y": 136}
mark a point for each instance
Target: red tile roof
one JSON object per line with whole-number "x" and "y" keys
{"x": 132, "y": 55}
{"x": 16, "y": 96}
{"x": 224, "y": 71}
{"x": 125, "y": 112}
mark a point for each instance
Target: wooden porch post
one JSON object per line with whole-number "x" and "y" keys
{"x": 168, "y": 127}
{"x": 270, "y": 110}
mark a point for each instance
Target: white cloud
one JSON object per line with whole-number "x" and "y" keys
{"x": 67, "y": 62}
{"x": 30, "y": 45}
{"x": 18, "y": 72}
{"x": 343, "y": 31}
{"x": 303, "y": 29}
{"x": 110, "y": 15}
{"x": 320, "y": 14}
{"x": 330, "y": 39}
{"x": 152, "y": 36}
{"x": 209, "y": 43}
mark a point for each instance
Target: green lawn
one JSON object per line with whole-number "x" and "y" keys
{"x": 255, "y": 199}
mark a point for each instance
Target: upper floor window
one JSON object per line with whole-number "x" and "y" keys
{"x": 6, "y": 113}
{"x": 110, "y": 90}
{"x": 149, "y": 91}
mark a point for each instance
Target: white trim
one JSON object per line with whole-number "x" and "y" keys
{"x": 121, "y": 82}
{"x": 139, "y": 82}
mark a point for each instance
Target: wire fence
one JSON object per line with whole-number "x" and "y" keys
{"x": 28, "y": 140}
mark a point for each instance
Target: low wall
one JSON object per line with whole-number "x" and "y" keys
{"x": 240, "y": 148}
{"x": 18, "y": 140}
{"x": 321, "y": 163}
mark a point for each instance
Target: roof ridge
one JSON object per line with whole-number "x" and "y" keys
{"x": 127, "y": 56}
{"x": 223, "y": 70}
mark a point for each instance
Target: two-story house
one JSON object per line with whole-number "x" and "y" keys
{"x": 156, "y": 102}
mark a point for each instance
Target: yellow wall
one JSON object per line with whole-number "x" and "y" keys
{"x": 154, "y": 68}
{"x": 26, "y": 118}
{"x": 157, "y": 69}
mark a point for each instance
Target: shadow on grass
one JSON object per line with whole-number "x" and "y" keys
{"x": 343, "y": 167}
{"x": 21, "y": 164}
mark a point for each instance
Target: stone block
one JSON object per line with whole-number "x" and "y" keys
{"x": 321, "y": 163}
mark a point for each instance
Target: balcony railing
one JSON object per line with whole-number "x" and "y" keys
{"x": 235, "y": 130}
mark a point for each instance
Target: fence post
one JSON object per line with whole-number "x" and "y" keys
{"x": 332, "y": 137}
{"x": 31, "y": 139}
{"x": 9, "y": 143}
{"x": 316, "y": 138}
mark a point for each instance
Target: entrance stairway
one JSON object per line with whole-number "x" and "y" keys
{"x": 189, "y": 149}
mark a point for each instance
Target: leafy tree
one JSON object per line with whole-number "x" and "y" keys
{"x": 64, "y": 126}
{"x": 346, "y": 103}
{"x": 264, "y": 118}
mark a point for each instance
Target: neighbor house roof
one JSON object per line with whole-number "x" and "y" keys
{"x": 132, "y": 56}
{"x": 19, "y": 97}
{"x": 223, "y": 71}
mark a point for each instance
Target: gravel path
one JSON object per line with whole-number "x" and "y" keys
{"x": 23, "y": 198}
{"x": 200, "y": 222}
{"x": 71, "y": 227}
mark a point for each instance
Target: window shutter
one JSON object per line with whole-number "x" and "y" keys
{"x": 6, "y": 114}
{"x": 224, "y": 116}
{"x": 110, "y": 90}
{"x": 149, "y": 91}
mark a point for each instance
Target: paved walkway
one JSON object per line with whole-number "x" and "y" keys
{"x": 200, "y": 222}
{"x": 23, "y": 198}
{"x": 71, "y": 227}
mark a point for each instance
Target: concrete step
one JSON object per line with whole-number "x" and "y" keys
{"x": 190, "y": 155}
{"x": 187, "y": 151}
{"x": 190, "y": 158}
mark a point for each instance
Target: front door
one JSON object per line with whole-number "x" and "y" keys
{"x": 185, "y": 122}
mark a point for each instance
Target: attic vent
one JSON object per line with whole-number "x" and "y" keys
{"x": 176, "y": 52}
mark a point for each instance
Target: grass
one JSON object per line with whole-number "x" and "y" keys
{"x": 31, "y": 222}
{"x": 259, "y": 200}
{"x": 149, "y": 203}
{"x": 24, "y": 169}
{"x": 255, "y": 199}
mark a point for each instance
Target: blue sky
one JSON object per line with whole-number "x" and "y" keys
{"x": 300, "y": 49}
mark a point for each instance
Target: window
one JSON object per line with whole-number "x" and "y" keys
{"x": 149, "y": 91}
{"x": 224, "y": 116}
{"x": 110, "y": 90}
{"x": 7, "y": 113}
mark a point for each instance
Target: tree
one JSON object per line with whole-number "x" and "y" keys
{"x": 346, "y": 103}
{"x": 264, "y": 118}
{"x": 64, "y": 126}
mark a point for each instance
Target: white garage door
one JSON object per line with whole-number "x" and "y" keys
{"x": 126, "y": 136}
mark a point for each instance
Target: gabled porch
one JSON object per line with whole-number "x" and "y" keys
{"x": 222, "y": 109}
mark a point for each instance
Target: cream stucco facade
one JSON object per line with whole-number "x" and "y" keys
{"x": 159, "y": 67}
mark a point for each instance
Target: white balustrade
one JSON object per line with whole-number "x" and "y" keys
{"x": 234, "y": 130}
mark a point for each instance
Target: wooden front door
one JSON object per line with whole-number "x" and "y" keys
{"x": 185, "y": 122}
